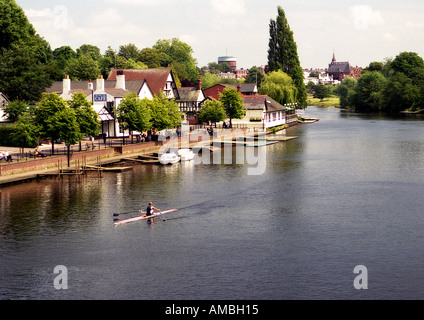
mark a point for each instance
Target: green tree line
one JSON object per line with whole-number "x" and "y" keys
{"x": 391, "y": 86}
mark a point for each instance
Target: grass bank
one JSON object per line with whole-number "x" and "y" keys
{"x": 327, "y": 102}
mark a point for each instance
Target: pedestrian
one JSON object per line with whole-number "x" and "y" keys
{"x": 104, "y": 137}
{"x": 7, "y": 156}
{"x": 38, "y": 153}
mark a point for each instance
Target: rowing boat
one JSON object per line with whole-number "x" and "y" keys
{"x": 144, "y": 217}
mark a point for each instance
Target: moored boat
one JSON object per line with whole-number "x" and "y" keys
{"x": 186, "y": 154}
{"x": 169, "y": 158}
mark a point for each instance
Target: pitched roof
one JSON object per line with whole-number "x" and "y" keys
{"x": 339, "y": 67}
{"x": 188, "y": 94}
{"x": 213, "y": 92}
{"x": 245, "y": 87}
{"x": 259, "y": 102}
{"x": 155, "y": 77}
{"x": 82, "y": 86}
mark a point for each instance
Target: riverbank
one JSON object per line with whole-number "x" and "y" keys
{"x": 29, "y": 169}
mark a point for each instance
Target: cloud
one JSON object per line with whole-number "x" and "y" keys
{"x": 389, "y": 37}
{"x": 364, "y": 16}
{"x": 147, "y": 3}
{"x": 229, "y": 7}
{"x": 108, "y": 27}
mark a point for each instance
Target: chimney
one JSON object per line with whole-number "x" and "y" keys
{"x": 120, "y": 80}
{"x": 100, "y": 83}
{"x": 239, "y": 88}
{"x": 199, "y": 84}
{"x": 66, "y": 85}
{"x": 90, "y": 85}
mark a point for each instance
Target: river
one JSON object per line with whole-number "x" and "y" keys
{"x": 346, "y": 193}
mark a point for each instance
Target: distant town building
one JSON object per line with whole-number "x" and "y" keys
{"x": 234, "y": 73}
{"x": 341, "y": 70}
{"x": 231, "y": 61}
{"x": 334, "y": 74}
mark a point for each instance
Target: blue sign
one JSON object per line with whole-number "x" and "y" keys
{"x": 100, "y": 97}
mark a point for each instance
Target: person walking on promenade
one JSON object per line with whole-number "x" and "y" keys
{"x": 7, "y": 156}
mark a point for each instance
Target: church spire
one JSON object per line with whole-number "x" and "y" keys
{"x": 334, "y": 58}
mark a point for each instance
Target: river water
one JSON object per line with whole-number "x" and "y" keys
{"x": 347, "y": 192}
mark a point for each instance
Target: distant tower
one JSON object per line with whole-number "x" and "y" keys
{"x": 333, "y": 61}
{"x": 232, "y": 62}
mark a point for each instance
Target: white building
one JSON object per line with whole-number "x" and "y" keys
{"x": 106, "y": 95}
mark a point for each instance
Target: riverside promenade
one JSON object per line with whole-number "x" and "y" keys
{"x": 30, "y": 168}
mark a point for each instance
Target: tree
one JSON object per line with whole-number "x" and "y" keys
{"x": 63, "y": 55}
{"x": 22, "y": 76}
{"x": 165, "y": 113}
{"x": 212, "y": 111}
{"x": 346, "y": 91}
{"x": 233, "y": 104}
{"x": 134, "y": 113}
{"x": 24, "y": 55}
{"x": 112, "y": 60}
{"x": 368, "y": 95}
{"x": 87, "y": 117}
{"x": 400, "y": 93}
{"x": 83, "y": 68}
{"x": 279, "y": 86}
{"x": 26, "y": 133}
{"x": 282, "y": 54}
{"x": 129, "y": 51}
{"x": 45, "y": 111}
{"x": 150, "y": 57}
{"x": 15, "y": 109}
{"x": 375, "y": 66}
{"x": 209, "y": 80}
{"x": 14, "y": 25}
{"x": 89, "y": 49}
{"x": 65, "y": 124}
{"x": 322, "y": 91}
{"x": 179, "y": 51}
{"x": 254, "y": 75}
{"x": 409, "y": 63}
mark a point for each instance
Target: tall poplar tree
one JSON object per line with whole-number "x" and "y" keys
{"x": 282, "y": 54}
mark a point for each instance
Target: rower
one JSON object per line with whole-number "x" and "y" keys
{"x": 151, "y": 209}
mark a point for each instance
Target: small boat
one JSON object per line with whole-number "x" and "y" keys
{"x": 144, "y": 217}
{"x": 186, "y": 154}
{"x": 169, "y": 158}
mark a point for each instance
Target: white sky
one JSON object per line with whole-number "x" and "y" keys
{"x": 358, "y": 31}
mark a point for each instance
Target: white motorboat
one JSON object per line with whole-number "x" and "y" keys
{"x": 186, "y": 154}
{"x": 169, "y": 158}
